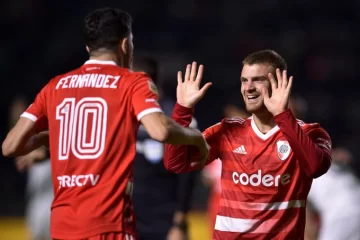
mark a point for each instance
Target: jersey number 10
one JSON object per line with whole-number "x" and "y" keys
{"x": 80, "y": 134}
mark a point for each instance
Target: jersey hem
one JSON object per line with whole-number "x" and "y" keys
{"x": 60, "y": 234}
{"x": 29, "y": 116}
{"x": 148, "y": 111}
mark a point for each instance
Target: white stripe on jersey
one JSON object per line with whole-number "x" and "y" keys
{"x": 229, "y": 224}
{"x": 262, "y": 206}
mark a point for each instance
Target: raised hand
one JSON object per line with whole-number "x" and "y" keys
{"x": 188, "y": 91}
{"x": 280, "y": 95}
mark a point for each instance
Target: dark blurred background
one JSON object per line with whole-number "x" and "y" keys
{"x": 319, "y": 40}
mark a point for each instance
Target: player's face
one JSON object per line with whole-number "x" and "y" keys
{"x": 254, "y": 79}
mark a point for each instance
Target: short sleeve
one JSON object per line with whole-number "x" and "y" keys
{"x": 37, "y": 109}
{"x": 145, "y": 98}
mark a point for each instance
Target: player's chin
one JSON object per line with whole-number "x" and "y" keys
{"x": 252, "y": 108}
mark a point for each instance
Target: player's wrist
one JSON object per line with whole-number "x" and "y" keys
{"x": 185, "y": 105}
{"x": 279, "y": 112}
{"x": 183, "y": 110}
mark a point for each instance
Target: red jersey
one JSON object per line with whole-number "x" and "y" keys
{"x": 93, "y": 115}
{"x": 265, "y": 178}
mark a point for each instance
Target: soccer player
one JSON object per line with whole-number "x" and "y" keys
{"x": 93, "y": 114}
{"x": 268, "y": 160}
{"x": 168, "y": 194}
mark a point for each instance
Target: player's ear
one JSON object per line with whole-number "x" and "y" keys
{"x": 124, "y": 45}
{"x": 87, "y": 49}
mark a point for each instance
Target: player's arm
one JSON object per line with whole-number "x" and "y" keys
{"x": 179, "y": 158}
{"x": 157, "y": 124}
{"x": 163, "y": 129}
{"x": 23, "y": 137}
{"x": 312, "y": 147}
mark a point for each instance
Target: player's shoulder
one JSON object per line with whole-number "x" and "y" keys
{"x": 56, "y": 79}
{"x": 229, "y": 123}
{"x": 236, "y": 122}
{"x": 137, "y": 77}
{"x": 140, "y": 79}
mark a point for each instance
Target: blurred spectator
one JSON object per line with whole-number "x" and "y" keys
{"x": 334, "y": 197}
{"x": 161, "y": 199}
{"x": 39, "y": 183}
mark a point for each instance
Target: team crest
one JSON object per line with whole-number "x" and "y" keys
{"x": 153, "y": 87}
{"x": 283, "y": 149}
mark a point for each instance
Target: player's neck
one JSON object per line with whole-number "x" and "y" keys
{"x": 264, "y": 121}
{"x": 108, "y": 56}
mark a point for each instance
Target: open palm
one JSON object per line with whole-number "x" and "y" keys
{"x": 280, "y": 95}
{"x": 188, "y": 91}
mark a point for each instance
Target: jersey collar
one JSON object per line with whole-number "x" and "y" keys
{"x": 262, "y": 135}
{"x": 102, "y": 62}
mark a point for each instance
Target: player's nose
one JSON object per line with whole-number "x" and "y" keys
{"x": 249, "y": 86}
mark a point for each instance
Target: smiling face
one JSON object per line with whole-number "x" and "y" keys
{"x": 254, "y": 78}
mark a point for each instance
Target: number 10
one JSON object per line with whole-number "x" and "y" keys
{"x": 75, "y": 127}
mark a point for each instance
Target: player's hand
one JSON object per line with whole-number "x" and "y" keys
{"x": 203, "y": 148}
{"x": 280, "y": 93}
{"x": 188, "y": 91}
{"x": 23, "y": 163}
{"x": 176, "y": 233}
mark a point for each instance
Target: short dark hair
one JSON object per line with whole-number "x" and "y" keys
{"x": 105, "y": 27}
{"x": 148, "y": 64}
{"x": 266, "y": 57}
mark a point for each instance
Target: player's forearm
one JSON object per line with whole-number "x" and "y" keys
{"x": 181, "y": 135}
{"x": 315, "y": 159}
{"x": 177, "y": 157}
{"x": 36, "y": 141}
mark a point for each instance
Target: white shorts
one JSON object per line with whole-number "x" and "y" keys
{"x": 341, "y": 229}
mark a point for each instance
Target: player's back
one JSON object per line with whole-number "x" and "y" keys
{"x": 93, "y": 125}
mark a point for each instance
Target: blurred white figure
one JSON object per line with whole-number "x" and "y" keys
{"x": 335, "y": 197}
{"x": 40, "y": 196}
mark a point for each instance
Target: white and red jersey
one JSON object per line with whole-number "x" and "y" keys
{"x": 265, "y": 178}
{"x": 93, "y": 115}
